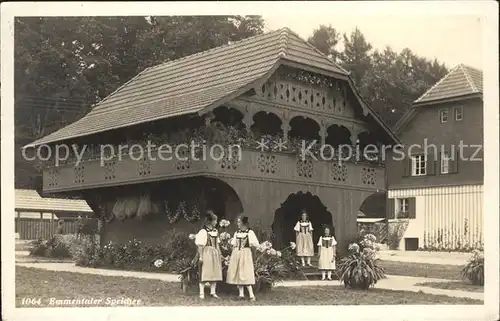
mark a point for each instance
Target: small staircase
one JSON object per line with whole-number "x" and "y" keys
{"x": 312, "y": 273}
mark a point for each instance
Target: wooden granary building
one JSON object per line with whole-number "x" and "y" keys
{"x": 273, "y": 88}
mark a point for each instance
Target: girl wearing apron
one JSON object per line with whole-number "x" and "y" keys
{"x": 207, "y": 241}
{"x": 327, "y": 245}
{"x": 241, "y": 271}
{"x": 303, "y": 231}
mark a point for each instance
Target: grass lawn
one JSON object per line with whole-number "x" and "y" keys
{"x": 453, "y": 285}
{"x": 38, "y": 283}
{"x": 436, "y": 271}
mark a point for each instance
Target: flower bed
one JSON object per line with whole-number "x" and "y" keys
{"x": 138, "y": 256}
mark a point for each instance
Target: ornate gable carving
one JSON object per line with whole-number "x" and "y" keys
{"x": 307, "y": 90}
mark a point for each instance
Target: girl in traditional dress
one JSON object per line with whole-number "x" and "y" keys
{"x": 303, "y": 231}
{"x": 207, "y": 241}
{"x": 327, "y": 245}
{"x": 240, "y": 271}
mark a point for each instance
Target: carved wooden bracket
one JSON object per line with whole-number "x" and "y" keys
{"x": 323, "y": 131}
{"x": 249, "y": 112}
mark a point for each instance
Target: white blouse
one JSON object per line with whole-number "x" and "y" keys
{"x": 303, "y": 224}
{"x": 252, "y": 238}
{"x": 202, "y": 237}
{"x": 327, "y": 238}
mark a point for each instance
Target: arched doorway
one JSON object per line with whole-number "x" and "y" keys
{"x": 372, "y": 216}
{"x": 288, "y": 214}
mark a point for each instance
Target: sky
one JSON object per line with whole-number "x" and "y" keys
{"x": 453, "y": 39}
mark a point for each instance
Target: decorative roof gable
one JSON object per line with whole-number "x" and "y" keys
{"x": 460, "y": 81}
{"x": 203, "y": 80}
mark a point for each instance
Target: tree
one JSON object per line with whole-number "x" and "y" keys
{"x": 356, "y": 55}
{"x": 65, "y": 65}
{"x": 325, "y": 39}
{"x": 395, "y": 80}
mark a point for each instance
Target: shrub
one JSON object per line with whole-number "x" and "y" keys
{"x": 179, "y": 246}
{"x": 84, "y": 253}
{"x": 395, "y": 233}
{"x": 39, "y": 247}
{"x": 474, "y": 269}
{"x": 58, "y": 246}
{"x": 360, "y": 269}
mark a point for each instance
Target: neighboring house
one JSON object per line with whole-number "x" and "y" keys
{"x": 37, "y": 216}
{"x": 440, "y": 192}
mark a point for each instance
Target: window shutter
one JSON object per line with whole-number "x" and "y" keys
{"x": 430, "y": 165}
{"x": 454, "y": 163}
{"x": 390, "y": 208}
{"x": 412, "y": 213}
{"x": 407, "y": 167}
{"x": 437, "y": 170}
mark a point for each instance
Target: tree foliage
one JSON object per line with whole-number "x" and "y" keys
{"x": 388, "y": 81}
{"x": 356, "y": 55}
{"x": 325, "y": 39}
{"x": 64, "y": 65}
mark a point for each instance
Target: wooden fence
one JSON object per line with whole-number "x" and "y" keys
{"x": 34, "y": 228}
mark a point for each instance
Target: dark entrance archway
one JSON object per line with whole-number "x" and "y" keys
{"x": 288, "y": 214}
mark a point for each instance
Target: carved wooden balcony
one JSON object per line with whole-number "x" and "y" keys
{"x": 285, "y": 167}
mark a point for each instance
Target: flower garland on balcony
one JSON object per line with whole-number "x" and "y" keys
{"x": 195, "y": 214}
{"x": 182, "y": 209}
{"x": 172, "y": 217}
{"x": 219, "y": 133}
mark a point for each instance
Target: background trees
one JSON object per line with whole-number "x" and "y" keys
{"x": 388, "y": 81}
{"x": 65, "y": 65}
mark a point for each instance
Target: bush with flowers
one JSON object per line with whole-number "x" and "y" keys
{"x": 137, "y": 255}
{"x": 360, "y": 268}
{"x": 270, "y": 266}
{"x": 474, "y": 269}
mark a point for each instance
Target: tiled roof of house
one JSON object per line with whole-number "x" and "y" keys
{"x": 460, "y": 81}
{"x": 27, "y": 199}
{"x": 188, "y": 85}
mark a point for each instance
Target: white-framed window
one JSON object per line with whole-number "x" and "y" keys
{"x": 403, "y": 208}
{"x": 445, "y": 163}
{"x": 443, "y": 115}
{"x": 459, "y": 113}
{"x": 418, "y": 165}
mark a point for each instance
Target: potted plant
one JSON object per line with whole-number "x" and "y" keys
{"x": 474, "y": 269}
{"x": 360, "y": 268}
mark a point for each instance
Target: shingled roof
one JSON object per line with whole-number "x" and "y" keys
{"x": 190, "y": 84}
{"x": 460, "y": 81}
{"x": 27, "y": 199}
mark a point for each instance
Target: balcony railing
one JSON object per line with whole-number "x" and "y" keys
{"x": 243, "y": 163}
